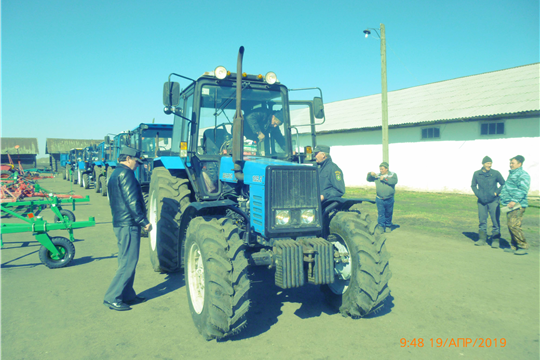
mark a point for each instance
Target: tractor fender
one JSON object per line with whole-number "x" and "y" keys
{"x": 169, "y": 162}
{"x": 337, "y": 204}
{"x": 196, "y": 208}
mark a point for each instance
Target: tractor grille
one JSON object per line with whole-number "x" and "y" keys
{"x": 293, "y": 188}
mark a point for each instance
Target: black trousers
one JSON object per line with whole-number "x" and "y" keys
{"x": 129, "y": 241}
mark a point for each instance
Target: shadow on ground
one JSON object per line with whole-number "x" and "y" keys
{"x": 173, "y": 281}
{"x": 267, "y": 300}
{"x": 503, "y": 243}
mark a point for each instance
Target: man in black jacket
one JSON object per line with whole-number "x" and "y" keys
{"x": 262, "y": 124}
{"x": 330, "y": 175}
{"x": 129, "y": 215}
{"x": 484, "y": 186}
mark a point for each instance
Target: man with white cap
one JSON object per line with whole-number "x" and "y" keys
{"x": 129, "y": 216}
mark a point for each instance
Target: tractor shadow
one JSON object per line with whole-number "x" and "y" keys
{"x": 267, "y": 301}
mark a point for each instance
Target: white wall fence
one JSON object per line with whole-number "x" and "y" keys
{"x": 434, "y": 166}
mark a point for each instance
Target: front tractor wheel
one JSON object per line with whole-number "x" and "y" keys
{"x": 216, "y": 277}
{"x": 169, "y": 197}
{"x": 85, "y": 181}
{"x": 362, "y": 274}
{"x": 103, "y": 185}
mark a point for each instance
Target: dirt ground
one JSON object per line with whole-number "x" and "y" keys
{"x": 443, "y": 289}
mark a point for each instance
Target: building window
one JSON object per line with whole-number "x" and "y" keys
{"x": 492, "y": 128}
{"x": 431, "y": 133}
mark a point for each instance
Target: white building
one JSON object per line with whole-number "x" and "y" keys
{"x": 440, "y": 132}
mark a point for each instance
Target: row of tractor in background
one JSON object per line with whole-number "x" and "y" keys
{"x": 92, "y": 166}
{"x": 224, "y": 195}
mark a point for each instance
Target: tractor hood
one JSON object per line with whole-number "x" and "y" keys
{"x": 254, "y": 169}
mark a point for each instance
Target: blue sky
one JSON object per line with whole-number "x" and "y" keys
{"x": 82, "y": 69}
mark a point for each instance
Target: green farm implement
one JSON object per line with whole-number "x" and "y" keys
{"x": 57, "y": 251}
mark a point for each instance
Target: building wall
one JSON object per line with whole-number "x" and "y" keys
{"x": 442, "y": 165}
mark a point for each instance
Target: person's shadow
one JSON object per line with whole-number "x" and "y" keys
{"x": 503, "y": 243}
{"x": 172, "y": 282}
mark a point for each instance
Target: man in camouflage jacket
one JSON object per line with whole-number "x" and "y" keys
{"x": 514, "y": 195}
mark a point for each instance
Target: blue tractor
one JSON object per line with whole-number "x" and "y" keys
{"x": 114, "y": 147}
{"x": 72, "y": 164}
{"x": 100, "y": 166}
{"x": 226, "y": 199}
{"x": 153, "y": 141}
{"x": 85, "y": 171}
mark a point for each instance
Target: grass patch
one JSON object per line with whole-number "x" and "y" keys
{"x": 443, "y": 213}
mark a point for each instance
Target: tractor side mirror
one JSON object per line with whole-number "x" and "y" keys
{"x": 318, "y": 108}
{"x": 171, "y": 94}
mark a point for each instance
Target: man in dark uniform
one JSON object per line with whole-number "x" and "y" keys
{"x": 129, "y": 215}
{"x": 330, "y": 175}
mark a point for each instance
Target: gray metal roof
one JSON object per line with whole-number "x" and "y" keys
{"x": 510, "y": 91}
{"x": 25, "y": 146}
{"x": 57, "y": 146}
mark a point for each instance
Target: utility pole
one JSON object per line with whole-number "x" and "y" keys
{"x": 384, "y": 96}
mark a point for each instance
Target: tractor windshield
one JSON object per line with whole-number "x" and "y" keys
{"x": 153, "y": 140}
{"x": 265, "y": 128}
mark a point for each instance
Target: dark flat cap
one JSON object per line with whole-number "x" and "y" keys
{"x": 129, "y": 151}
{"x": 322, "y": 148}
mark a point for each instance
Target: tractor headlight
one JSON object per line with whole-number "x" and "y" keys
{"x": 283, "y": 217}
{"x": 308, "y": 216}
{"x": 270, "y": 78}
{"x": 220, "y": 72}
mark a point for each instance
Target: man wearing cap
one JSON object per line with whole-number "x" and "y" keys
{"x": 485, "y": 185}
{"x": 514, "y": 197}
{"x": 261, "y": 124}
{"x": 129, "y": 216}
{"x": 330, "y": 175}
{"x": 385, "y": 184}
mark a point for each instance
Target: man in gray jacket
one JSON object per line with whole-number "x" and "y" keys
{"x": 484, "y": 185}
{"x": 385, "y": 183}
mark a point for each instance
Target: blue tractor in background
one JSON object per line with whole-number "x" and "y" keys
{"x": 100, "y": 166}
{"x": 153, "y": 141}
{"x": 111, "y": 160}
{"x": 223, "y": 201}
{"x": 72, "y": 164}
{"x": 85, "y": 171}
{"x": 64, "y": 159}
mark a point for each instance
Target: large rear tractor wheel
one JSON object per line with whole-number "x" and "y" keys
{"x": 85, "y": 181}
{"x": 66, "y": 249}
{"x": 216, "y": 277}
{"x": 169, "y": 198}
{"x": 73, "y": 177}
{"x": 362, "y": 275}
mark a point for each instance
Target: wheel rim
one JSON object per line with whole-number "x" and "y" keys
{"x": 62, "y": 252}
{"x": 195, "y": 269}
{"x": 79, "y": 177}
{"x": 153, "y": 217}
{"x": 84, "y": 182}
{"x": 342, "y": 270}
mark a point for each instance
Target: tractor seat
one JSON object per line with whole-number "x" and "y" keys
{"x": 213, "y": 139}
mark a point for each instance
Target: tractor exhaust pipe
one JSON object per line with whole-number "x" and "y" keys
{"x": 238, "y": 122}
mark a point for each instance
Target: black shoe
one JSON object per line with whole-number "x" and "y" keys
{"x": 137, "y": 300}
{"x": 118, "y": 306}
